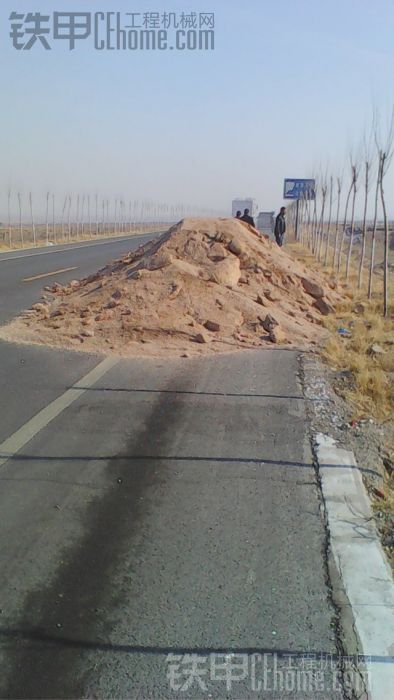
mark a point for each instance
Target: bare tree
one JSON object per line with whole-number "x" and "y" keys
{"x": 349, "y": 252}
{"x": 69, "y": 217}
{"x": 9, "y": 218}
{"x": 373, "y": 238}
{"x": 368, "y": 161}
{"x": 339, "y": 193}
{"x": 321, "y": 224}
{"x": 53, "y": 217}
{"x": 62, "y": 219}
{"x": 314, "y": 226}
{"x": 89, "y": 217}
{"x": 306, "y": 219}
{"x": 135, "y": 212}
{"x": 329, "y": 220}
{"x": 308, "y": 222}
{"x": 367, "y": 174}
{"x": 33, "y": 226}
{"x": 20, "y": 218}
{"x": 385, "y": 157}
{"x": 82, "y": 216}
{"x": 47, "y": 220}
{"x": 78, "y": 199}
{"x": 344, "y": 226}
{"x": 120, "y": 228}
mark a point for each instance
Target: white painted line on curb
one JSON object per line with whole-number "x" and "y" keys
{"x": 29, "y": 430}
{"x": 360, "y": 560}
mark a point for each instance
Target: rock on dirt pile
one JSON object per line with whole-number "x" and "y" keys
{"x": 206, "y": 285}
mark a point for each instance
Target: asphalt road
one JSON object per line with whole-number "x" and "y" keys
{"x": 24, "y": 273}
{"x": 161, "y": 532}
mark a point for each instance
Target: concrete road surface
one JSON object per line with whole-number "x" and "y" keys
{"x": 161, "y": 534}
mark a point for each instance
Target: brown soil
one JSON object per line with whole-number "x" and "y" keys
{"x": 205, "y": 286}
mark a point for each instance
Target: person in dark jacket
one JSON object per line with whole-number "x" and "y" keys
{"x": 280, "y": 226}
{"x": 248, "y": 219}
{"x": 238, "y": 214}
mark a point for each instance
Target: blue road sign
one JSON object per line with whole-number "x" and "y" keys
{"x": 297, "y": 188}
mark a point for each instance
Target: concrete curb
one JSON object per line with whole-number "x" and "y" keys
{"x": 358, "y": 555}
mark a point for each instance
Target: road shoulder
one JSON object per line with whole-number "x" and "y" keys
{"x": 362, "y": 582}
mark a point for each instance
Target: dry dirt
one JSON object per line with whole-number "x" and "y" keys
{"x": 204, "y": 286}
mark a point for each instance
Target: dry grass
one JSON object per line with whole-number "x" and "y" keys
{"x": 371, "y": 391}
{"x": 372, "y": 388}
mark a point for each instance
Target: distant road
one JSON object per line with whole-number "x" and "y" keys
{"x": 23, "y": 273}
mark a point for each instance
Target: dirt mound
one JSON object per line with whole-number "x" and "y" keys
{"x": 206, "y": 285}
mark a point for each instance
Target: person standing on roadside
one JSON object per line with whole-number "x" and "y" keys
{"x": 280, "y": 226}
{"x": 247, "y": 218}
{"x": 238, "y": 214}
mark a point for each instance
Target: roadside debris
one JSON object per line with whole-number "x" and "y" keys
{"x": 199, "y": 288}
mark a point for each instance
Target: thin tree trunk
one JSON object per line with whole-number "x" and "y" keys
{"x": 97, "y": 224}
{"x": 328, "y": 226}
{"x": 314, "y": 226}
{"x": 9, "y": 219}
{"x": 307, "y": 222}
{"x": 20, "y": 218}
{"x": 78, "y": 199}
{"x": 63, "y": 213}
{"x": 33, "y": 227}
{"x": 53, "y": 218}
{"x": 344, "y": 229}
{"x": 321, "y": 228}
{"x": 69, "y": 218}
{"x": 386, "y": 245}
{"x": 47, "y": 220}
{"x": 349, "y": 252}
{"x": 82, "y": 216}
{"x": 362, "y": 258}
{"x": 339, "y": 190}
{"x": 373, "y": 239}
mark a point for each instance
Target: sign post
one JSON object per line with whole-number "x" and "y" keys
{"x": 296, "y": 221}
{"x": 298, "y": 188}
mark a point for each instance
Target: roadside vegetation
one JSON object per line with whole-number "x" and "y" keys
{"x": 361, "y": 342}
{"x": 57, "y": 236}
{"x": 82, "y": 217}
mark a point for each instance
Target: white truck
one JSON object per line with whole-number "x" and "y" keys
{"x": 244, "y": 203}
{"x": 266, "y": 223}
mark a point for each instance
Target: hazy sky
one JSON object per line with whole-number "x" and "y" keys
{"x": 289, "y": 86}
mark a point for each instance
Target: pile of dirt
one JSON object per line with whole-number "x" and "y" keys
{"x": 206, "y": 285}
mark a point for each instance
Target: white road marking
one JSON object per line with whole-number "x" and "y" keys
{"x": 48, "y": 274}
{"x": 29, "y": 430}
{"x": 75, "y": 247}
{"x": 360, "y": 560}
